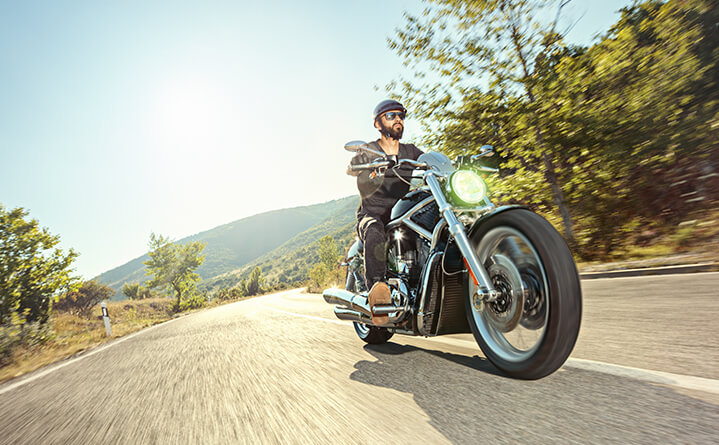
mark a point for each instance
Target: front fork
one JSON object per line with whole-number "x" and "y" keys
{"x": 483, "y": 283}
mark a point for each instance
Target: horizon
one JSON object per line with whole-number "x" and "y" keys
{"x": 124, "y": 120}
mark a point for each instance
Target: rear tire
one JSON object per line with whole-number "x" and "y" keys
{"x": 372, "y": 334}
{"x": 530, "y": 262}
{"x": 369, "y": 334}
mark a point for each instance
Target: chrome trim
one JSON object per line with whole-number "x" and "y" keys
{"x": 417, "y": 228}
{"x": 425, "y": 282}
{"x": 485, "y": 288}
{"x": 344, "y": 313}
{"x": 403, "y": 332}
{"x": 346, "y": 298}
{"x": 436, "y": 233}
{"x": 386, "y": 309}
{"x": 359, "y": 304}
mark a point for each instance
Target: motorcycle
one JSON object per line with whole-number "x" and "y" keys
{"x": 456, "y": 263}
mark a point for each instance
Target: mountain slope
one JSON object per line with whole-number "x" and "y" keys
{"x": 290, "y": 262}
{"x": 233, "y": 245}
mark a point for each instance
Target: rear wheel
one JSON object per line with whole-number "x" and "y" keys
{"x": 372, "y": 334}
{"x": 369, "y": 334}
{"x": 531, "y": 329}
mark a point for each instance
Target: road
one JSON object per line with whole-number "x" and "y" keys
{"x": 282, "y": 369}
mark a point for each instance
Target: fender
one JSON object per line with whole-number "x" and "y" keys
{"x": 486, "y": 216}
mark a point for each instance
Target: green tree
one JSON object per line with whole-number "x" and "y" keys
{"x": 172, "y": 266}
{"x": 600, "y": 139}
{"x": 502, "y": 45}
{"x": 131, "y": 290}
{"x": 328, "y": 253}
{"x": 318, "y": 277}
{"x": 82, "y": 301}
{"x": 227, "y": 293}
{"x": 254, "y": 283}
{"x": 33, "y": 271}
{"x": 135, "y": 291}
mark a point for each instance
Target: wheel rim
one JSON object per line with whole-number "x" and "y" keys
{"x": 514, "y": 326}
{"x": 362, "y": 329}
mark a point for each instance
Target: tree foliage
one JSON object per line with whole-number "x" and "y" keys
{"x": 505, "y": 43}
{"x": 172, "y": 266}
{"x": 600, "y": 139}
{"x": 326, "y": 272}
{"x": 328, "y": 253}
{"x": 135, "y": 291}
{"x": 33, "y": 271}
{"x": 229, "y": 293}
{"x": 253, "y": 285}
{"x": 81, "y": 301}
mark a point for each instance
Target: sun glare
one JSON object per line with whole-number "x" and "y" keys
{"x": 190, "y": 116}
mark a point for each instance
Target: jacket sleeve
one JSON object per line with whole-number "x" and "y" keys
{"x": 366, "y": 185}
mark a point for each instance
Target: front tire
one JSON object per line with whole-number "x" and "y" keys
{"x": 529, "y": 332}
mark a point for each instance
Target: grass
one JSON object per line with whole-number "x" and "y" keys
{"x": 73, "y": 334}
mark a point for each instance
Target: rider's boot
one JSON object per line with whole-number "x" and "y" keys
{"x": 380, "y": 294}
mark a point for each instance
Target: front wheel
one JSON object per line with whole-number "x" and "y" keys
{"x": 369, "y": 334}
{"x": 531, "y": 329}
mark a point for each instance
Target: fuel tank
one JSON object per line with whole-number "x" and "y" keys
{"x": 427, "y": 217}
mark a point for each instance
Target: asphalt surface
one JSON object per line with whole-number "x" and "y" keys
{"x": 281, "y": 369}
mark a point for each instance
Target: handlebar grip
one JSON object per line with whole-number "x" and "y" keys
{"x": 371, "y": 165}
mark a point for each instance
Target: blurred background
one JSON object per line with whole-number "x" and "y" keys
{"x": 615, "y": 141}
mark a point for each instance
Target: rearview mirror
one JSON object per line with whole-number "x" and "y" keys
{"x": 356, "y": 146}
{"x": 484, "y": 151}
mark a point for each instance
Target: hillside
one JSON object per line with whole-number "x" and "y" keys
{"x": 233, "y": 245}
{"x": 291, "y": 262}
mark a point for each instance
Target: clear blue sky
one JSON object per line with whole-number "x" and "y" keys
{"x": 118, "y": 119}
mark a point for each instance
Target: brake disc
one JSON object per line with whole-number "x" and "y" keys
{"x": 504, "y": 313}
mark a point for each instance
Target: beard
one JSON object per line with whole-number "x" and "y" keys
{"x": 390, "y": 131}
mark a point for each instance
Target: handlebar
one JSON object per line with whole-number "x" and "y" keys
{"x": 385, "y": 164}
{"x": 368, "y": 166}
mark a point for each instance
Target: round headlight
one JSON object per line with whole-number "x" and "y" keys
{"x": 468, "y": 186}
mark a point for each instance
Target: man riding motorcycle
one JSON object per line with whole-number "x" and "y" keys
{"x": 379, "y": 193}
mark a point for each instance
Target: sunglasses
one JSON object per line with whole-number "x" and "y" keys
{"x": 392, "y": 115}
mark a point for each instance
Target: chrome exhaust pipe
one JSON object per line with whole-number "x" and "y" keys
{"x": 348, "y": 314}
{"x": 346, "y": 298}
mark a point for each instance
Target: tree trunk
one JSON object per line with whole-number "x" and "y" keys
{"x": 178, "y": 291}
{"x": 550, "y": 173}
{"x": 559, "y": 199}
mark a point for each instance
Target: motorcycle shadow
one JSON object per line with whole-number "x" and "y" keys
{"x": 473, "y": 362}
{"x": 466, "y": 398}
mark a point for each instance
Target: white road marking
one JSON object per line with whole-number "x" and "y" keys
{"x": 655, "y": 277}
{"x": 646, "y": 375}
{"x": 658, "y": 377}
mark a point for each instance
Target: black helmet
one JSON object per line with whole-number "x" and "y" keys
{"x": 385, "y": 106}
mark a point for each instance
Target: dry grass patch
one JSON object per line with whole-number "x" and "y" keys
{"x": 73, "y": 334}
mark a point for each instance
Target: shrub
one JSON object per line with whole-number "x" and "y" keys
{"x": 84, "y": 299}
{"x": 226, "y": 294}
{"x": 15, "y": 331}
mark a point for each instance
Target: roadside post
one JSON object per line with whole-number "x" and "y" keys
{"x": 106, "y": 319}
